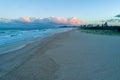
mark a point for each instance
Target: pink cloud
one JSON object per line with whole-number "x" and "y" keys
{"x": 72, "y": 21}
{"x": 26, "y": 19}
{"x": 75, "y": 21}
{"x": 60, "y": 20}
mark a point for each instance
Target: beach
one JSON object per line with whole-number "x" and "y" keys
{"x": 71, "y": 55}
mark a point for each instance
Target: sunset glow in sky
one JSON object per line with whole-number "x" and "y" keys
{"x": 59, "y": 20}
{"x": 85, "y": 10}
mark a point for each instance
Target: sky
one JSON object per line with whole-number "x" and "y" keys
{"x": 86, "y": 10}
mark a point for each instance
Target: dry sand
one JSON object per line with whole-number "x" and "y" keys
{"x": 68, "y": 56}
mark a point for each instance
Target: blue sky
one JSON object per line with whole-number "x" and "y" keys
{"x": 86, "y": 10}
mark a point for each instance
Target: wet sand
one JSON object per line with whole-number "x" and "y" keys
{"x": 67, "y": 56}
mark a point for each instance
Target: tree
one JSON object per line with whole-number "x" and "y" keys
{"x": 105, "y": 25}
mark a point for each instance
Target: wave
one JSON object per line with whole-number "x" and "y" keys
{"x": 16, "y": 36}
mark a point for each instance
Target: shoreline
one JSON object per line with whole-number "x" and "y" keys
{"x": 70, "y": 55}
{"x": 23, "y": 54}
{"x": 6, "y": 48}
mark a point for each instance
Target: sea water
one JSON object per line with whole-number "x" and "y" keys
{"x": 15, "y": 39}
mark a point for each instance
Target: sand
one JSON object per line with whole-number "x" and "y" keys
{"x": 71, "y": 55}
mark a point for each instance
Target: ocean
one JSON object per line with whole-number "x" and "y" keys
{"x": 15, "y": 39}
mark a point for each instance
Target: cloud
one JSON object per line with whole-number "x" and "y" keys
{"x": 5, "y": 20}
{"x": 32, "y": 22}
{"x": 112, "y": 20}
{"x": 60, "y": 20}
{"x": 118, "y": 16}
{"x": 75, "y": 21}
{"x": 26, "y": 19}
